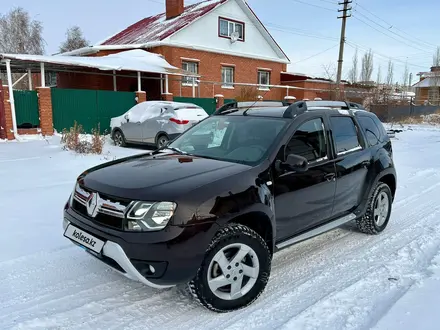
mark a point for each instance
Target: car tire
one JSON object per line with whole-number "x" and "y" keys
{"x": 162, "y": 141}
{"x": 119, "y": 138}
{"x": 378, "y": 211}
{"x": 219, "y": 273}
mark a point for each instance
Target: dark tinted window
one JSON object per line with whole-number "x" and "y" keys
{"x": 379, "y": 124}
{"x": 344, "y": 134}
{"x": 309, "y": 141}
{"x": 370, "y": 129}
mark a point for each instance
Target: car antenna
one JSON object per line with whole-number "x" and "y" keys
{"x": 245, "y": 111}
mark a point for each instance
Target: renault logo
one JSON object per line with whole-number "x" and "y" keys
{"x": 92, "y": 204}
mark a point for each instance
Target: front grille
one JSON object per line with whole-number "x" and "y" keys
{"x": 104, "y": 210}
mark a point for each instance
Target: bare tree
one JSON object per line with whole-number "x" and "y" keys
{"x": 436, "y": 58}
{"x": 74, "y": 40}
{"x": 390, "y": 73}
{"x": 329, "y": 71}
{"x": 405, "y": 76}
{"x": 19, "y": 34}
{"x": 434, "y": 90}
{"x": 379, "y": 75}
{"x": 330, "y": 74}
{"x": 353, "y": 73}
{"x": 367, "y": 66}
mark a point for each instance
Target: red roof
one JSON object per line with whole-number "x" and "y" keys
{"x": 157, "y": 28}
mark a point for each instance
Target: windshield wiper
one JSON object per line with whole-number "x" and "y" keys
{"x": 177, "y": 150}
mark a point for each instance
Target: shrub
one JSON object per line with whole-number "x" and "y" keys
{"x": 247, "y": 93}
{"x": 74, "y": 139}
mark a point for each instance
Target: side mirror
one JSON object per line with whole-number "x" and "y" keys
{"x": 126, "y": 118}
{"x": 295, "y": 163}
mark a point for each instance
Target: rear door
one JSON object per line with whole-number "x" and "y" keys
{"x": 304, "y": 200}
{"x": 352, "y": 160}
{"x": 153, "y": 123}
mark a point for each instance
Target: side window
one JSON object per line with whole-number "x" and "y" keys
{"x": 309, "y": 141}
{"x": 371, "y": 130}
{"x": 344, "y": 134}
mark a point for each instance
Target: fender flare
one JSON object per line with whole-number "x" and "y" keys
{"x": 361, "y": 209}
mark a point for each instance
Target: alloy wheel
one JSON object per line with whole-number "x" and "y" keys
{"x": 233, "y": 271}
{"x": 381, "y": 208}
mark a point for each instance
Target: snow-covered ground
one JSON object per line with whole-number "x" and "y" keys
{"x": 339, "y": 280}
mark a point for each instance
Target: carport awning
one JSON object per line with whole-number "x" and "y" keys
{"x": 132, "y": 60}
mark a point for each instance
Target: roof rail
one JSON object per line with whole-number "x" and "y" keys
{"x": 300, "y": 107}
{"x": 249, "y": 104}
{"x": 295, "y": 109}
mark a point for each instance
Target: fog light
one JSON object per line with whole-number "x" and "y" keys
{"x": 152, "y": 270}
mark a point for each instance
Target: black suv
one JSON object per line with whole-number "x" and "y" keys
{"x": 212, "y": 207}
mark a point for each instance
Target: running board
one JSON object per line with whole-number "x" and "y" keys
{"x": 317, "y": 231}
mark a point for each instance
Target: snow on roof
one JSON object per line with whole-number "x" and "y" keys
{"x": 131, "y": 60}
{"x": 428, "y": 82}
{"x": 157, "y": 28}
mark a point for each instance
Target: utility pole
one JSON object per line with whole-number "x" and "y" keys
{"x": 341, "y": 45}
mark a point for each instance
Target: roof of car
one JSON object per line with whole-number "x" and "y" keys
{"x": 175, "y": 105}
{"x": 260, "y": 109}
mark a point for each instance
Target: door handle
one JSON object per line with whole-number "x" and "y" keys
{"x": 330, "y": 177}
{"x": 366, "y": 163}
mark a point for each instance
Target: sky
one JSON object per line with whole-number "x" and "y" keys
{"x": 308, "y": 30}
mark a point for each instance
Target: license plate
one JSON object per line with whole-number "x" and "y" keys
{"x": 85, "y": 239}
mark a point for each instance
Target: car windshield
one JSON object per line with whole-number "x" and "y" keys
{"x": 240, "y": 139}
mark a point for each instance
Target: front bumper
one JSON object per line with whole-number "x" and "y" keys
{"x": 115, "y": 252}
{"x": 176, "y": 255}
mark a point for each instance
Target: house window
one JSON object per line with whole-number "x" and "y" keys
{"x": 263, "y": 79}
{"x": 228, "y": 77}
{"x": 227, "y": 27}
{"x": 192, "y": 67}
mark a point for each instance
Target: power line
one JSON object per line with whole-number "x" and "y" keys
{"x": 317, "y": 54}
{"x": 277, "y": 27}
{"x": 385, "y": 34}
{"x": 392, "y": 26}
{"x": 405, "y": 39}
{"x": 313, "y": 5}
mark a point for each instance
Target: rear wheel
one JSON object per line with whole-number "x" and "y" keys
{"x": 378, "y": 212}
{"x": 162, "y": 141}
{"x": 119, "y": 139}
{"x": 235, "y": 270}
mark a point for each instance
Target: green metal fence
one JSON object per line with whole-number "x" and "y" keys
{"x": 208, "y": 104}
{"x": 26, "y": 108}
{"x": 88, "y": 108}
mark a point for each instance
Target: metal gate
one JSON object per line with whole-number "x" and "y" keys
{"x": 89, "y": 108}
{"x": 26, "y": 109}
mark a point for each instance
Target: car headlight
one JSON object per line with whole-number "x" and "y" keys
{"x": 72, "y": 195}
{"x": 149, "y": 216}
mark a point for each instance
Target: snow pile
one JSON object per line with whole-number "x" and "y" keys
{"x": 433, "y": 118}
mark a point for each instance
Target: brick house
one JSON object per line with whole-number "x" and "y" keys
{"x": 222, "y": 41}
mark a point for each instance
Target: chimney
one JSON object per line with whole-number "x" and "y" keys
{"x": 174, "y": 8}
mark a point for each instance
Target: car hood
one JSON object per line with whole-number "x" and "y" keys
{"x": 160, "y": 176}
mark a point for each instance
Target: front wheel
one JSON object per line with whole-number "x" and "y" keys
{"x": 235, "y": 270}
{"x": 378, "y": 211}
